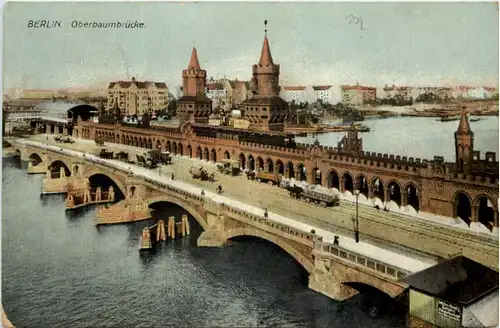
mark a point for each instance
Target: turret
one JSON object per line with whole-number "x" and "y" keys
{"x": 194, "y": 106}
{"x": 464, "y": 144}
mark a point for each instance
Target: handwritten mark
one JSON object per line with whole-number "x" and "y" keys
{"x": 355, "y": 20}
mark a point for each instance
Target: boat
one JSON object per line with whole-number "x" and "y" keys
{"x": 449, "y": 118}
{"x": 475, "y": 119}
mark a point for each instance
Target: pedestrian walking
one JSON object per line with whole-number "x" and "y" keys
{"x": 219, "y": 189}
{"x": 336, "y": 240}
{"x": 202, "y": 192}
{"x": 265, "y": 213}
{"x": 172, "y": 175}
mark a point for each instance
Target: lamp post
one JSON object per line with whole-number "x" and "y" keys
{"x": 356, "y": 231}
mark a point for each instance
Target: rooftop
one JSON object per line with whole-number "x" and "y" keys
{"x": 459, "y": 280}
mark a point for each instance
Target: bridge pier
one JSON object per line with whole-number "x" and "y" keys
{"x": 145, "y": 242}
{"x": 36, "y": 169}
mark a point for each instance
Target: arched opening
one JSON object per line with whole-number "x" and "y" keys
{"x": 199, "y": 153}
{"x": 280, "y": 168}
{"x": 150, "y": 144}
{"x": 180, "y": 149}
{"x": 242, "y": 161}
{"x": 206, "y": 154}
{"x": 291, "y": 171}
{"x": 132, "y": 191}
{"x": 55, "y": 170}
{"x": 251, "y": 163}
{"x": 378, "y": 189}
{"x": 189, "y": 151}
{"x": 35, "y": 159}
{"x": 317, "y": 175}
{"x": 412, "y": 197}
{"x": 373, "y": 300}
{"x": 105, "y": 182}
{"x": 174, "y": 148}
{"x": 260, "y": 164}
{"x": 227, "y": 155}
{"x": 302, "y": 172}
{"x": 485, "y": 212}
{"x": 169, "y": 146}
{"x": 333, "y": 180}
{"x": 213, "y": 155}
{"x": 162, "y": 210}
{"x": 270, "y": 165}
{"x": 348, "y": 183}
{"x": 394, "y": 192}
{"x": 362, "y": 185}
{"x": 463, "y": 207}
{"x": 244, "y": 234}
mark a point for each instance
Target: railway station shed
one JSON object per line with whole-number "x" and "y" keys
{"x": 455, "y": 293}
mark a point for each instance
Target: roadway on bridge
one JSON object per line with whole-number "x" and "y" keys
{"x": 398, "y": 230}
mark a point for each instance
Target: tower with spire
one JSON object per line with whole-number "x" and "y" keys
{"x": 194, "y": 106}
{"x": 265, "y": 110}
{"x": 464, "y": 144}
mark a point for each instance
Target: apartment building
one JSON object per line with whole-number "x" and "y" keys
{"x": 356, "y": 95}
{"x": 136, "y": 97}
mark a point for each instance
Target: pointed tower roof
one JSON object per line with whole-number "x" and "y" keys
{"x": 193, "y": 62}
{"x": 265, "y": 58}
{"x": 464, "y": 126}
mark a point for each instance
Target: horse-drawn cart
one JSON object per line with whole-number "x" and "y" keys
{"x": 269, "y": 177}
{"x": 312, "y": 195}
{"x": 105, "y": 154}
{"x": 229, "y": 166}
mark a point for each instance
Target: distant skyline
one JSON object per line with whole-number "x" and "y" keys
{"x": 399, "y": 43}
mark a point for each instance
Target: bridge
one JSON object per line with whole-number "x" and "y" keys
{"x": 332, "y": 268}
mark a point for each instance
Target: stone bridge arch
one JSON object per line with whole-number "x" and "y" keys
{"x": 89, "y": 171}
{"x": 280, "y": 242}
{"x": 199, "y": 217}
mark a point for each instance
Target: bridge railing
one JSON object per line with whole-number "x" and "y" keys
{"x": 252, "y": 219}
{"x": 363, "y": 260}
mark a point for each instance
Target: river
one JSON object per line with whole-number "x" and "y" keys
{"x": 418, "y": 137}
{"x": 59, "y": 270}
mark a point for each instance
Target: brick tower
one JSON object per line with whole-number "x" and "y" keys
{"x": 464, "y": 144}
{"x": 194, "y": 106}
{"x": 266, "y": 111}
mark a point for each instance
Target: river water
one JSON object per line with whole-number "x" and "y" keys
{"x": 59, "y": 270}
{"x": 418, "y": 137}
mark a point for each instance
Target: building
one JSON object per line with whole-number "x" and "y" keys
{"x": 217, "y": 91}
{"x": 194, "y": 106}
{"x": 137, "y": 98}
{"x": 296, "y": 94}
{"x": 395, "y": 92}
{"x": 444, "y": 93}
{"x": 460, "y": 92}
{"x": 456, "y": 293}
{"x": 238, "y": 91}
{"x": 491, "y": 92}
{"x": 265, "y": 111}
{"x": 356, "y": 95}
{"x": 327, "y": 94}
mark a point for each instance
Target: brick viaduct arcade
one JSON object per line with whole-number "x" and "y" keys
{"x": 427, "y": 185}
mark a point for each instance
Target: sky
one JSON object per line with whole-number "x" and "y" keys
{"x": 314, "y": 43}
